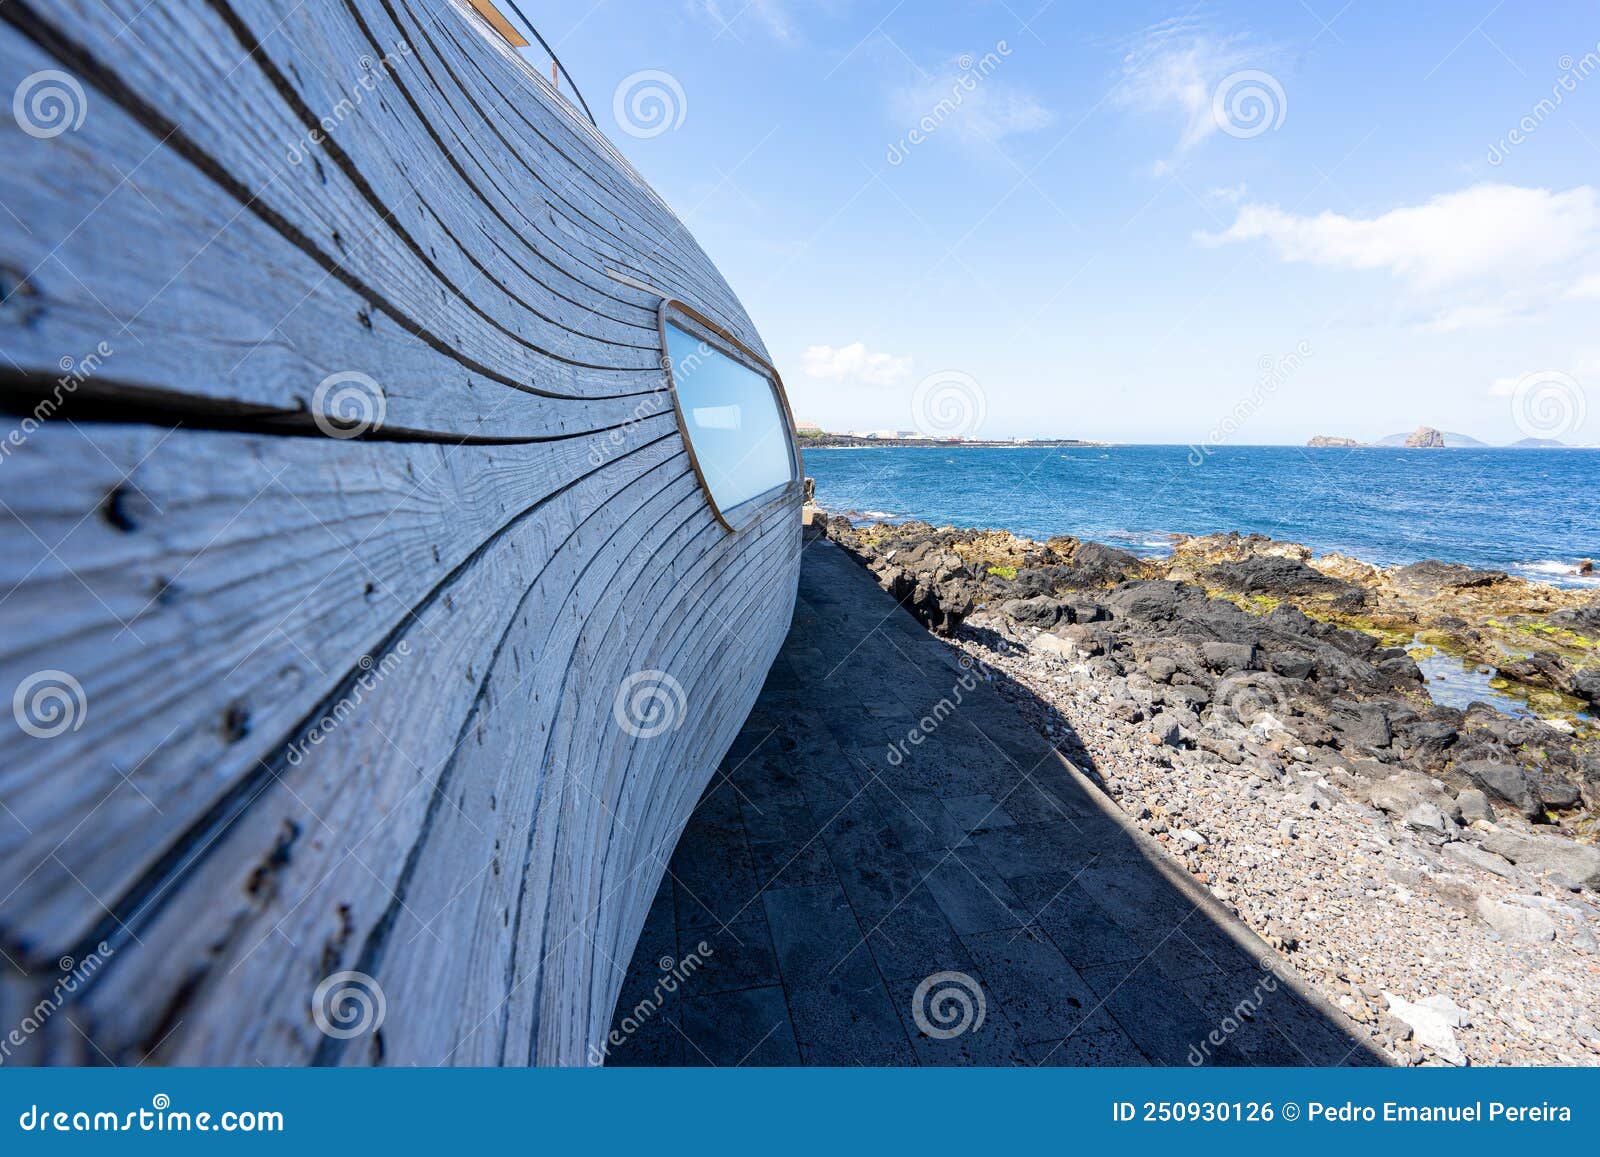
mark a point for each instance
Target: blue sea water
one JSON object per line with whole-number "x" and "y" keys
{"x": 1533, "y": 513}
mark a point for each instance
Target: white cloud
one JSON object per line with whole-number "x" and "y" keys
{"x": 1488, "y": 232}
{"x": 853, "y": 363}
{"x": 1178, "y": 65}
{"x": 1477, "y": 257}
{"x": 966, "y": 100}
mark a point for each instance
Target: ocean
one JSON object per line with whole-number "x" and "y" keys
{"x": 1532, "y": 513}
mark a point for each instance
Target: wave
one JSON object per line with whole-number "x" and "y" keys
{"x": 1554, "y": 571}
{"x": 1140, "y": 540}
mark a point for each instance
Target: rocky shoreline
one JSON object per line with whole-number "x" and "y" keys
{"x": 1259, "y": 712}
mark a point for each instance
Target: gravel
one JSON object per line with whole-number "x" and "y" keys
{"x": 1397, "y": 916}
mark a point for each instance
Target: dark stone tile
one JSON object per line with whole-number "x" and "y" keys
{"x": 1137, "y": 897}
{"x": 1100, "y": 1043}
{"x": 918, "y": 819}
{"x": 713, "y": 883}
{"x": 1083, "y": 930}
{"x": 977, "y": 812}
{"x": 769, "y": 775}
{"x": 748, "y": 1028}
{"x": 855, "y": 834}
{"x": 713, "y": 960}
{"x": 790, "y": 865}
{"x": 830, "y": 779}
{"x": 1039, "y": 992}
{"x": 716, "y": 813}
{"x": 891, "y": 711}
{"x": 1220, "y": 948}
{"x": 914, "y": 939}
{"x": 970, "y": 893}
{"x": 1035, "y": 849}
{"x": 958, "y": 1024}
{"x": 755, "y": 735}
{"x": 852, "y": 725}
{"x": 838, "y": 1004}
{"x": 777, "y": 820}
{"x": 876, "y": 883}
{"x": 1159, "y": 1016}
{"x": 1031, "y": 801}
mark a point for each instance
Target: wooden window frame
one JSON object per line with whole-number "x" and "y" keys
{"x": 725, "y": 343}
{"x": 499, "y": 23}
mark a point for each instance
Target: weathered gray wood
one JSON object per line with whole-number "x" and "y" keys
{"x": 349, "y": 702}
{"x": 212, "y": 303}
{"x": 257, "y": 572}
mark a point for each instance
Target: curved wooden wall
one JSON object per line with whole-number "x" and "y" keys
{"x": 347, "y": 703}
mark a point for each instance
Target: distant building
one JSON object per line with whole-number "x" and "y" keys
{"x": 807, "y": 428}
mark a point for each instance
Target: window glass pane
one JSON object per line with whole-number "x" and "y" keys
{"x": 734, "y": 420}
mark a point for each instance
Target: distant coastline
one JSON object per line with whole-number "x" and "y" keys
{"x": 1424, "y": 439}
{"x": 825, "y": 441}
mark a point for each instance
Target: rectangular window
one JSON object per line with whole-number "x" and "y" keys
{"x": 733, "y": 418}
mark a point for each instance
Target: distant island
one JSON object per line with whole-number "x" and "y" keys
{"x": 1430, "y": 438}
{"x": 815, "y": 438}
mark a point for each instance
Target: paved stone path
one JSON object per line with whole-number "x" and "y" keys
{"x": 828, "y": 880}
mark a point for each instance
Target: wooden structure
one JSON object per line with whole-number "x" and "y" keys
{"x": 361, "y": 606}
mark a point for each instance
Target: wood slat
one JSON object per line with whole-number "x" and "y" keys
{"x": 211, "y": 305}
{"x": 253, "y": 575}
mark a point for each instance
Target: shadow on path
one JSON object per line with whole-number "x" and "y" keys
{"x": 891, "y": 867}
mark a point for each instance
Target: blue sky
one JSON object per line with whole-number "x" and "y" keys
{"x": 1091, "y": 239}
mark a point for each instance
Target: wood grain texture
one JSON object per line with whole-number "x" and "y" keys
{"x": 347, "y": 703}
